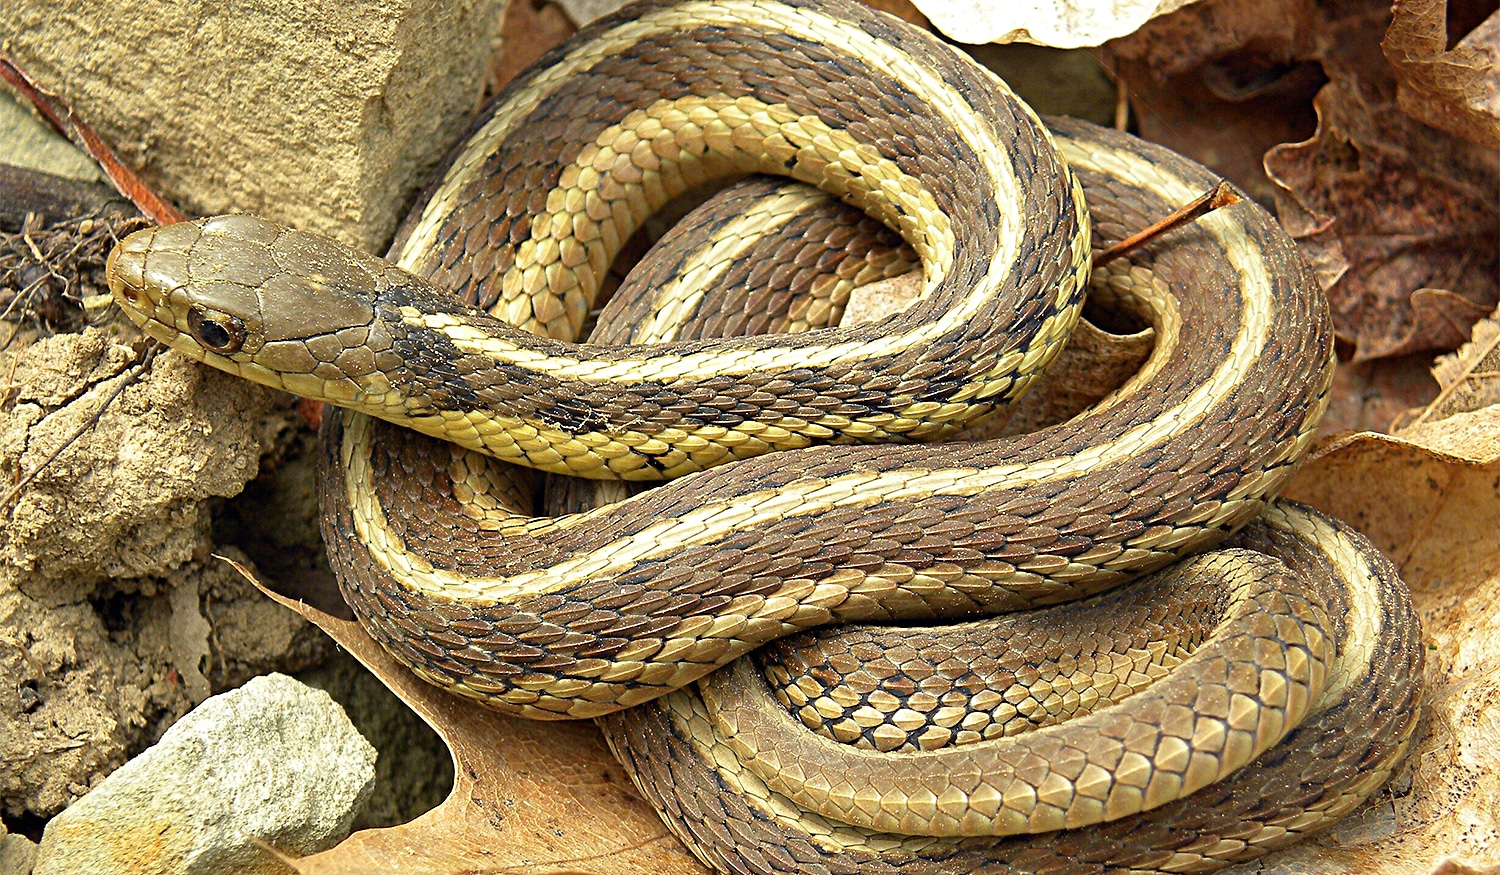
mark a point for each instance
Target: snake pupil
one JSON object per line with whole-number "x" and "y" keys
{"x": 217, "y": 331}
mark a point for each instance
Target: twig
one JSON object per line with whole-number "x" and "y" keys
{"x": 1122, "y": 103}
{"x": 1221, "y": 195}
{"x": 68, "y": 123}
{"x": 127, "y": 379}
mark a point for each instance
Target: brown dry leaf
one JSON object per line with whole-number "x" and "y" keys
{"x": 528, "y": 28}
{"x": 528, "y": 797}
{"x": 1223, "y": 81}
{"x": 1432, "y": 503}
{"x": 1399, "y": 219}
{"x": 1453, "y": 867}
{"x": 1470, "y": 377}
{"x": 1458, "y": 90}
{"x": 1371, "y": 395}
{"x": 1429, "y": 497}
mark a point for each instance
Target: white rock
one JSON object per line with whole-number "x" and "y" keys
{"x": 274, "y": 763}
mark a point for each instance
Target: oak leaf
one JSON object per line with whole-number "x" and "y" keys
{"x": 1429, "y": 497}
{"x": 1470, "y": 377}
{"x": 1457, "y": 90}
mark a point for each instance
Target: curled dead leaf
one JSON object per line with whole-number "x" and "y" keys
{"x": 1370, "y": 395}
{"x": 1223, "y": 81}
{"x": 527, "y": 30}
{"x": 1429, "y": 496}
{"x": 1470, "y": 377}
{"x": 1400, "y": 220}
{"x": 1456, "y": 90}
{"x": 1431, "y": 501}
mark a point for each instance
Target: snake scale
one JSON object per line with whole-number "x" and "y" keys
{"x": 1246, "y": 743}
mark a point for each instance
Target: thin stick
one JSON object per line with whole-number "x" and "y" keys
{"x": 1122, "y": 103}
{"x": 68, "y": 123}
{"x": 1221, "y": 195}
{"x": 128, "y": 378}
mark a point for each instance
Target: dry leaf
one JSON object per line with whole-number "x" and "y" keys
{"x": 1223, "y": 81}
{"x": 1399, "y": 219}
{"x": 1371, "y": 395}
{"x": 1454, "y": 867}
{"x": 1063, "y": 24}
{"x": 1458, "y": 90}
{"x": 1430, "y": 498}
{"x": 528, "y": 28}
{"x": 1470, "y": 377}
{"x": 528, "y": 797}
{"x": 1434, "y": 508}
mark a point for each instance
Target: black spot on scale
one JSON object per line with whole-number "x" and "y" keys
{"x": 429, "y": 369}
{"x": 573, "y": 416}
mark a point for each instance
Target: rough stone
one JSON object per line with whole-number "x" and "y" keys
{"x": 274, "y": 763}
{"x": 126, "y": 498}
{"x": 95, "y": 681}
{"x": 415, "y": 770}
{"x": 26, "y": 141}
{"x": 322, "y": 115}
{"x": 17, "y": 854}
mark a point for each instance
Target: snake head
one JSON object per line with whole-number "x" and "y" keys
{"x": 286, "y": 308}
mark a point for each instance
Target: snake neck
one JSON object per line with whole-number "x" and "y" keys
{"x": 617, "y": 413}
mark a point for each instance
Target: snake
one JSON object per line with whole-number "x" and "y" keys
{"x": 439, "y": 366}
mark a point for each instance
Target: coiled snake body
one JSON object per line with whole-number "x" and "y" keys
{"x": 585, "y": 614}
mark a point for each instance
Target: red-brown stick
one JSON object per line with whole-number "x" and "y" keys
{"x": 65, "y": 121}
{"x": 1221, "y": 195}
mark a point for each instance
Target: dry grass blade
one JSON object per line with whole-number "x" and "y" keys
{"x": 1221, "y": 195}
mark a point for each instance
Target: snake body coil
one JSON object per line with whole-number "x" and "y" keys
{"x": 585, "y": 614}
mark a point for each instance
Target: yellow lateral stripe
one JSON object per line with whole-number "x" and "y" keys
{"x": 803, "y": 23}
{"x": 714, "y": 521}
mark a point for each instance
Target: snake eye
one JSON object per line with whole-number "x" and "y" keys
{"x": 218, "y": 332}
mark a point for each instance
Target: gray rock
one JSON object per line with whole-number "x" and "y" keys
{"x": 17, "y": 854}
{"x": 273, "y": 764}
{"x": 26, "y": 141}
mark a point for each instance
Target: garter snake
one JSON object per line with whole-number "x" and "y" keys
{"x": 587, "y": 614}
